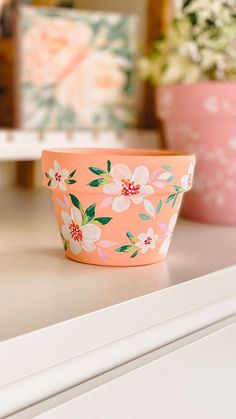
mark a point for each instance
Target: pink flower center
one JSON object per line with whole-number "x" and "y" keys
{"x": 75, "y": 232}
{"x": 130, "y": 188}
{"x": 148, "y": 240}
{"x": 58, "y": 176}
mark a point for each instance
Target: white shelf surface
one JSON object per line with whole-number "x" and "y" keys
{"x": 62, "y": 322}
{"x": 39, "y": 286}
{"x": 28, "y": 145}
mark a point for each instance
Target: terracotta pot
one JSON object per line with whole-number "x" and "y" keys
{"x": 201, "y": 119}
{"x": 116, "y": 207}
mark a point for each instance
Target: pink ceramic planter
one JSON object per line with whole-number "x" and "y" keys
{"x": 201, "y": 119}
{"x": 116, "y": 207}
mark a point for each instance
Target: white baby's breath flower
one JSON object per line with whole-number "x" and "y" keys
{"x": 200, "y": 44}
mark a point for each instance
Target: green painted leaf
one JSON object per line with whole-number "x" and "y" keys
{"x": 72, "y": 173}
{"x": 166, "y": 167}
{"x": 103, "y": 220}
{"x": 174, "y": 202}
{"x": 97, "y": 182}
{"x": 108, "y": 166}
{"x": 127, "y": 248}
{"x": 170, "y": 179}
{"x": 131, "y": 237}
{"x": 89, "y": 214}
{"x": 144, "y": 217}
{"x": 134, "y": 254}
{"x": 76, "y": 202}
{"x": 178, "y": 188}
{"x": 170, "y": 197}
{"x": 49, "y": 182}
{"x": 159, "y": 206}
{"x": 47, "y": 175}
{"x": 65, "y": 243}
{"x": 96, "y": 170}
{"x": 70, "y": 181}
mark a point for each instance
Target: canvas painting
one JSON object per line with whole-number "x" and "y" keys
{"x": 76, "y": 69}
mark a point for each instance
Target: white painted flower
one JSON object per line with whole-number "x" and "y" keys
{"x": 147, "y": 240}
{"x": 166, "y": 243}
{"x": 211, "y": 104}
{"x": 79, "y": 236}
{"x": 58, "y": 176}
{"x": 186, "y": 180}
{"x": 127, "y": 186}
{"x": 232, "y": 143}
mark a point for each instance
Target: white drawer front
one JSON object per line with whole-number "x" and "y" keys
{"x": 197, "y": 381}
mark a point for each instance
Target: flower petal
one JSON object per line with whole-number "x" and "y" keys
{"x": 62, "y": 185}
{"x": 141, "y": 175}
{"x": 152, "y": 244}
{"x": 120, "y": 172}
{"x": 149, "y": 208}
{"x": 54, "y": 183}
{"x": 64, "y": 173}
{"x": 75, "y": 246}
{"x": 91, "y": 232}
{"x": 165, "y": 175}
{"x": 106, "y": 202}
{"x": 51, "y": 173}
{"x": 76, "y": 216}
{"x": 159, "y": 184}
{"x": 88, "y": 246}
{"x": 146, "y": 190}
{"x": 56, "y": 166}
{"x": 66, "y": 217}
{"x": 65, "y": 232}
{"x": 112, "y": 189}
{"x": 120, "y": 203}
{"x": 142, "y": 236}
{"x": 172, "y": 222}
{"x": 191, "y": 168}
{"x": 150, "y": 232}
{"x": 145, "y": 248}
{"x": 139, "y": 244}
{"x": 137, "y": 199}
{"x": 164, "y": 247}
{"x": 184, "y": 181}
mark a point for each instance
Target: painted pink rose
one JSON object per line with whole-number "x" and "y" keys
{"x": 96, "y": 81}
{"x": 51, "y": 49}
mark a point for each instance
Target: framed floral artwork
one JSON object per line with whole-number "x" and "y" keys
{"x": 76, "y": 69}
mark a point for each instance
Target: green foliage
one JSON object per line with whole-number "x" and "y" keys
{"x": 75, "y": 201}
{"x": 97, "y": 171}
{"x": 103, "y": 220}
{"x": 131, "y": 237}
{"x": 97, "y": 182}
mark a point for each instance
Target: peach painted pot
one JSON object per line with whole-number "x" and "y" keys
{"x": 116, "y": 207}
{"x": 201, "y": 119}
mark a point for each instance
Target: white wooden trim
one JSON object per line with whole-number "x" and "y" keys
{"x": 139, "y": 326}
{"x": 47, "y": 406}
{"x": 28, "y": 145}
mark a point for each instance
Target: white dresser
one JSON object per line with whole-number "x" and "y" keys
{"x": 90, "y": 342}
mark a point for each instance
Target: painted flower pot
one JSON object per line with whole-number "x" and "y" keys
{"x": 116, "y": 207}
{"x": 200, "y": 118}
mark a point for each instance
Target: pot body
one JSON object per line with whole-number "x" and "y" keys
{"x": 116, "y": 207}
{"x": 201, "y": 119}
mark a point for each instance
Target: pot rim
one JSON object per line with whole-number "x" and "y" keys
{"x": 202, "y": 83}
{"x": 119, "y": 152}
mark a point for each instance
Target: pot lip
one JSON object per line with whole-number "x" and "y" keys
{"x": 201, "y": 83}
{"x": 118, "y": 152}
